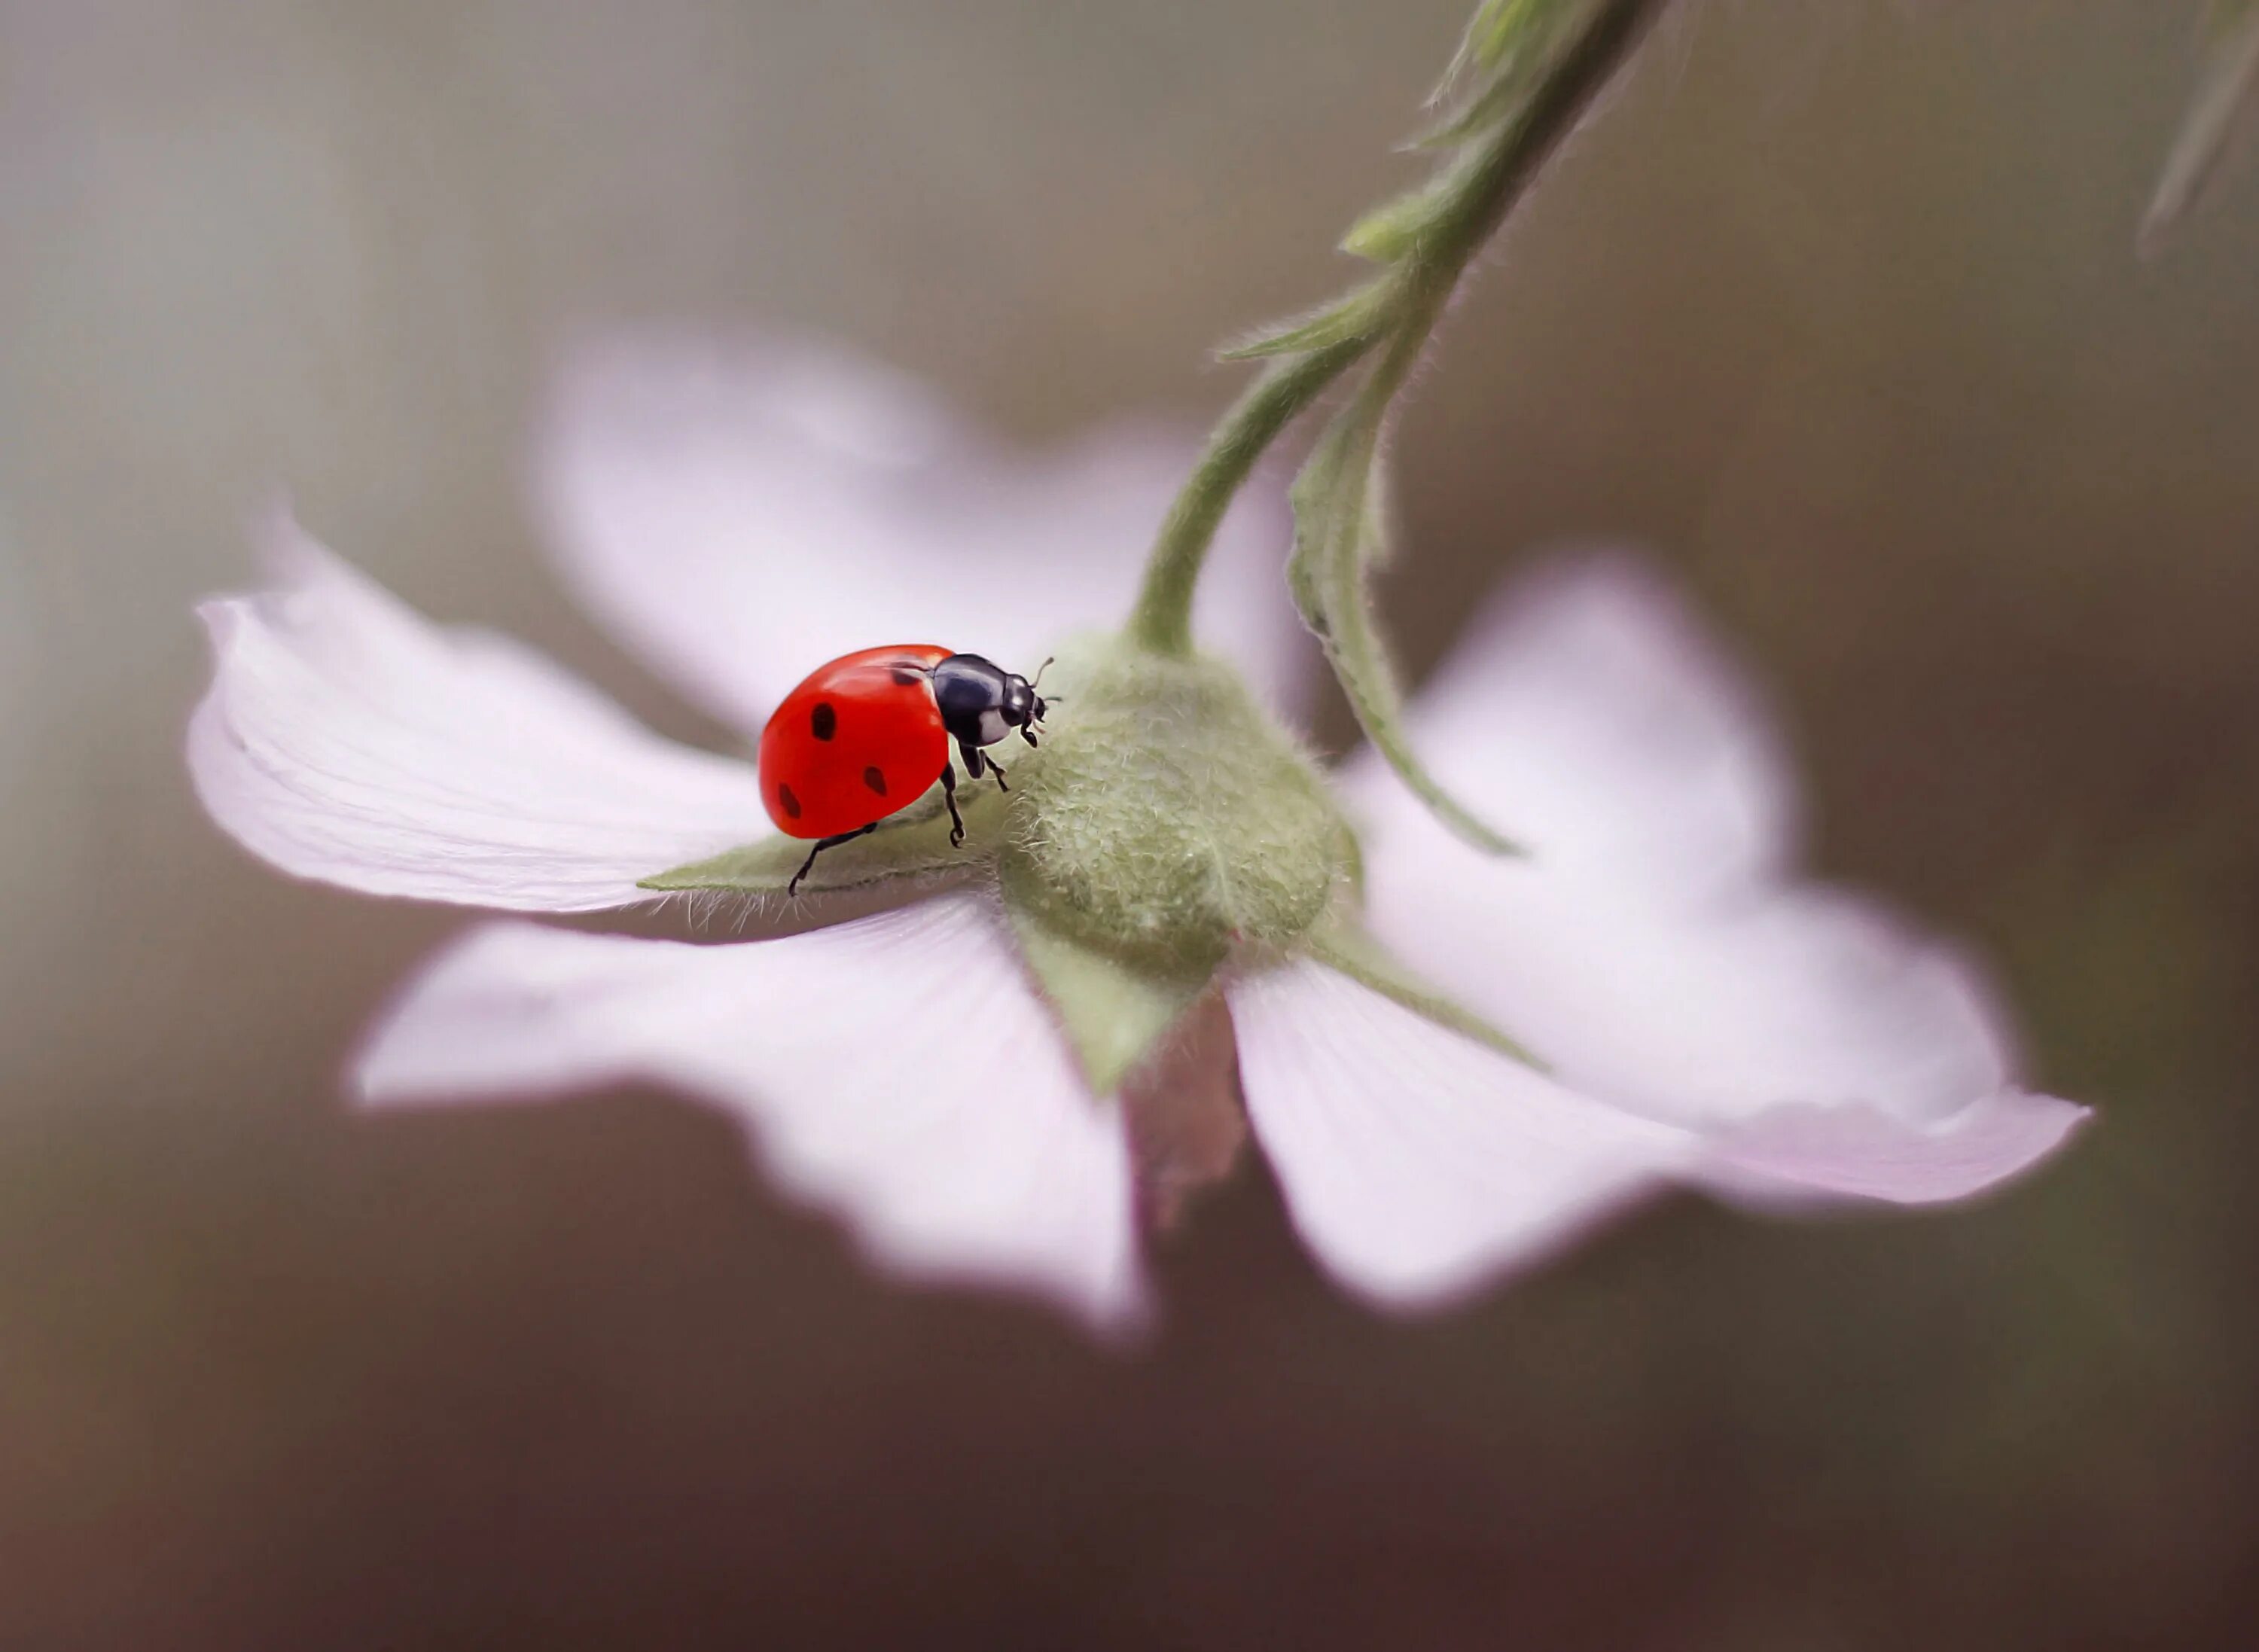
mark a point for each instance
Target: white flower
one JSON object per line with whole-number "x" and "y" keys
{"x": 1705, "y": 1018}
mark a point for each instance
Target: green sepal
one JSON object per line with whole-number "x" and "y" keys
{"x": 1344, "y": 945}
{"x": 1483, "y": 121}
{"x": 1112, "y": 1012}
{"x": 1510, "y": 50}
{"x": 912, "y": 845}
{"x": 1501, "y": 37}
{"x": 1338, "y": 536}
{"x": 1490, "y": 33}
{"x": 1359, "y": 315}
{"x": 1396, "y": 227}
{"x": 1491, "y": 106}
{"x": 2226, "y": 91}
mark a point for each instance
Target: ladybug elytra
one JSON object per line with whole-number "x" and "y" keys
{"x": 865, "y": 734}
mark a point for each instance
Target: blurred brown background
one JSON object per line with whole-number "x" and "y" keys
{"x": 1838, "y": 310}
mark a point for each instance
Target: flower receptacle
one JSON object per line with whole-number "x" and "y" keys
{"x": 1170, "y": 817}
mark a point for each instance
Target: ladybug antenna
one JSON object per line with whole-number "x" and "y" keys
{"x": 1037, "y": 681}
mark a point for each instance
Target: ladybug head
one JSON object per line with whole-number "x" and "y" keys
{"x": 1023, "y": 705}
{"x": 981, "y": 703}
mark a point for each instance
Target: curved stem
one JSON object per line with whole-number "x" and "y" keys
{"x": 1406, "y": 303}
{"x": 1162, "y": 620}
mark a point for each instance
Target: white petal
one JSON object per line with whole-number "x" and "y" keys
{"x": 1693, "y": 982}
{"x": 1862, "y": 1152}
{"x": 345, "y": 738}
{"x": 1795, "y": 997}
{"x": 898, "y": 1069}
{"x": 1586, "y": 713}
{"x": 1418, "y": 1164}
{"x": 741, "y": 514}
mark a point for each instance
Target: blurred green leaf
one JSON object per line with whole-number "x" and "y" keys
{"x": 2224, "y": 102}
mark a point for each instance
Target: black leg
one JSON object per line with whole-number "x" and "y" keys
{"x": 820, "y": 845}
{"x": 949, "y": 796}
{"x": 976, "y": 762}
{"x": 1027, "y": 734}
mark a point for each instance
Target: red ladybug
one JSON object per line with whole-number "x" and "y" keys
{"x": 865, "y": 734}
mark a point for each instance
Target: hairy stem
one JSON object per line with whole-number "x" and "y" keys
{"x": 1162, "y": 620}
{"x": 1398, "y": 310}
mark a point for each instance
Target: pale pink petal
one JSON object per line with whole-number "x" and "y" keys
{"x": 1418, "y": 1164}
{"x": 740, "y": 514}
{"x": 898, "y": 1069}
{"x": 1797, "y": 997}
{"x": 1863, "y": 1152}
{"x": 1694, "y": 983}
{"x": 1586, "y": 713}
{"x": 345, "y": 738}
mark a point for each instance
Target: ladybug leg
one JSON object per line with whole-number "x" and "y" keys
{"x": 1027, "y": 734}
{"x": 949, "y": 796}
{"x": 976, "y": 762}
{"x": 821, "y": 844}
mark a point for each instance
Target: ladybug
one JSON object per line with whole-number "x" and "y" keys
{"x": 865, "y": 735}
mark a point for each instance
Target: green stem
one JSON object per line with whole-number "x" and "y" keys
{"x": 1411, "y": 297}
{"x": 1162, "y": 620}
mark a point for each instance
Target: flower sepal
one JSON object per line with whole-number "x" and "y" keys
{"x": 1340, "y": 534}
{"x": 911, "y": 848}
{"x": 1344, "y": 944}
{"x": 1113, "y": 1012}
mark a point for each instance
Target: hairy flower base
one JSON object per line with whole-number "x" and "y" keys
{"x": 1171, "y": 818}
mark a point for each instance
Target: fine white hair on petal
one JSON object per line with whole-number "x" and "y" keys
{"x": 1698, "y": 983}
{"x": 1587, "y": 713}
{"x": 345, "y": 738}
{"x": 1418, "y": 1164}
{"x": 898, "y": 1069}
{"x": 740, "y": 511}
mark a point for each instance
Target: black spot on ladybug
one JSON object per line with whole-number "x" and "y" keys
{"x": 907, "y": 674}
{"x": 824, "y": 722}
{"x": 787, "y": 801}
{"x": 875, "y": 780}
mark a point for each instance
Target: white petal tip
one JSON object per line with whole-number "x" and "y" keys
{"x": 1863, "y": 1153}
{"x": 344, "y": 738}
